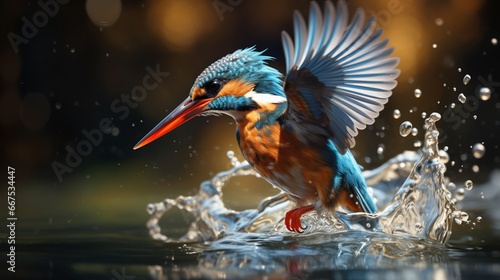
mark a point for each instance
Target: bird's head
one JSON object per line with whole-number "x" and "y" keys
{"x": 234, "y": 85}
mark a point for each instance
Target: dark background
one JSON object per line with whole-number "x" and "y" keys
{"x": 66, "y": 77}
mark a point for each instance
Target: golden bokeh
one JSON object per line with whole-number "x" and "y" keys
{"x": 181, "y": 23}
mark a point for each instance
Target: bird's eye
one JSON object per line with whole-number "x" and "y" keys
{"x": 213, "y": 87}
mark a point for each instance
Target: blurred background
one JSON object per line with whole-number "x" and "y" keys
{"x": 81, "y": 82}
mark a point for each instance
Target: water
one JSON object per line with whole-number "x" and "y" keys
{"x": 484, "y": 93}
{"x": 417, "y": 92}
{"x": 410, "y": 188}
{"x": 417, "y": 215}
{"x": 478, "y": 150}
{"x": 405, "y": 128}
{"x": 409, "y": 234}
{"x": 408, "y": 239}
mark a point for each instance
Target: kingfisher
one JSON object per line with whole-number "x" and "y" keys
{"x": 296, "y": 130}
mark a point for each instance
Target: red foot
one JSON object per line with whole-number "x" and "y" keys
{"x": 292, "y": 218}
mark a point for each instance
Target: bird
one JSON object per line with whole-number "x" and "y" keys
{"x": 296, "y": 129}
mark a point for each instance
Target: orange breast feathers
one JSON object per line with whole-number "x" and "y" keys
{"x": 284, "y": 161}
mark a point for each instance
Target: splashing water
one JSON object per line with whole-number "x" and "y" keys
{"x": 411, "y": 190}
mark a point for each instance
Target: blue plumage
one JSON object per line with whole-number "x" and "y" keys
{"x": 352, "y": 63}
{"x": 296, "y": 130}
{"x": 228, "y": 102}
{"x": 348, "y": 176}
{"x": 248, "y": 65}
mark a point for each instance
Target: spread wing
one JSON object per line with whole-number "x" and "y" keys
{"x": 339, "y": 74}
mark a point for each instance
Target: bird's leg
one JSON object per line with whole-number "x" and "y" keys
{"x": 292, "y": 218}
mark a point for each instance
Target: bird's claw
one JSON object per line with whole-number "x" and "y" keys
{"x": 292, "y": 218}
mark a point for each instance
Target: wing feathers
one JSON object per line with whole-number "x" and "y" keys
{"x": 351, "y": 65}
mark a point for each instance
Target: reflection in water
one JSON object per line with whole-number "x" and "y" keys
{"x": 418, "y": 212}
{"x": 302, "y": 255}
{"x": 317, "y": 255}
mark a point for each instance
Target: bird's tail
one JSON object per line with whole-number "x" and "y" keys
{"x": 349, "y": 183}
{"x": 358, "y": 187}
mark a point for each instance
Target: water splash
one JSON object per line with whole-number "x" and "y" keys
{"x": 410, "y": 188}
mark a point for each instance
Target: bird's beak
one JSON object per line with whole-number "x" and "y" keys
{"x": 187, "y": 110}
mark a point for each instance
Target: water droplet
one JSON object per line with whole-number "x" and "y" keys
{"x": 464, "y": 216}
{"x": 479, "y": 219}
{"x": 459, "y": 70}
{"x": 475, "y": 168}
{"x": 439, "y": 21}
{"x": 380, "y": 149}
{"x": 452, "y": 105}
{"x": 396, "y": 114}
{"x": 463, "y": 157}
{"x": 424, "y": 115}
{"x": 414, "y": 131}
{"x": 151, "y": 209}
{"x": 72, "y": 50}
{"x": 115, "y": 131}
{"x": 460, "y": 194}
{"x": 417, "y": 144}
{"x": 435, "y": 116}
{"x": 468, "y": 185}
{"x": 462, "y": 98}
{"x": 405, "y": 128}
{"x": 478, "y": 150}
{"x": 443, "y": 156}
{"x": 484, "y": 93}
{"x": 107, "y": 54}
{"x": 494, "y": 41}
{"x": 417, "y": 92}
{"x": 230, "y": 154}
{"x": 58, "y": 106}
{"x": 434, "y": 46}
{"x": 467, "y": 79}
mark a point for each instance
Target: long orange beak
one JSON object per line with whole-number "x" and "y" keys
{"x": 187, "y": 110}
